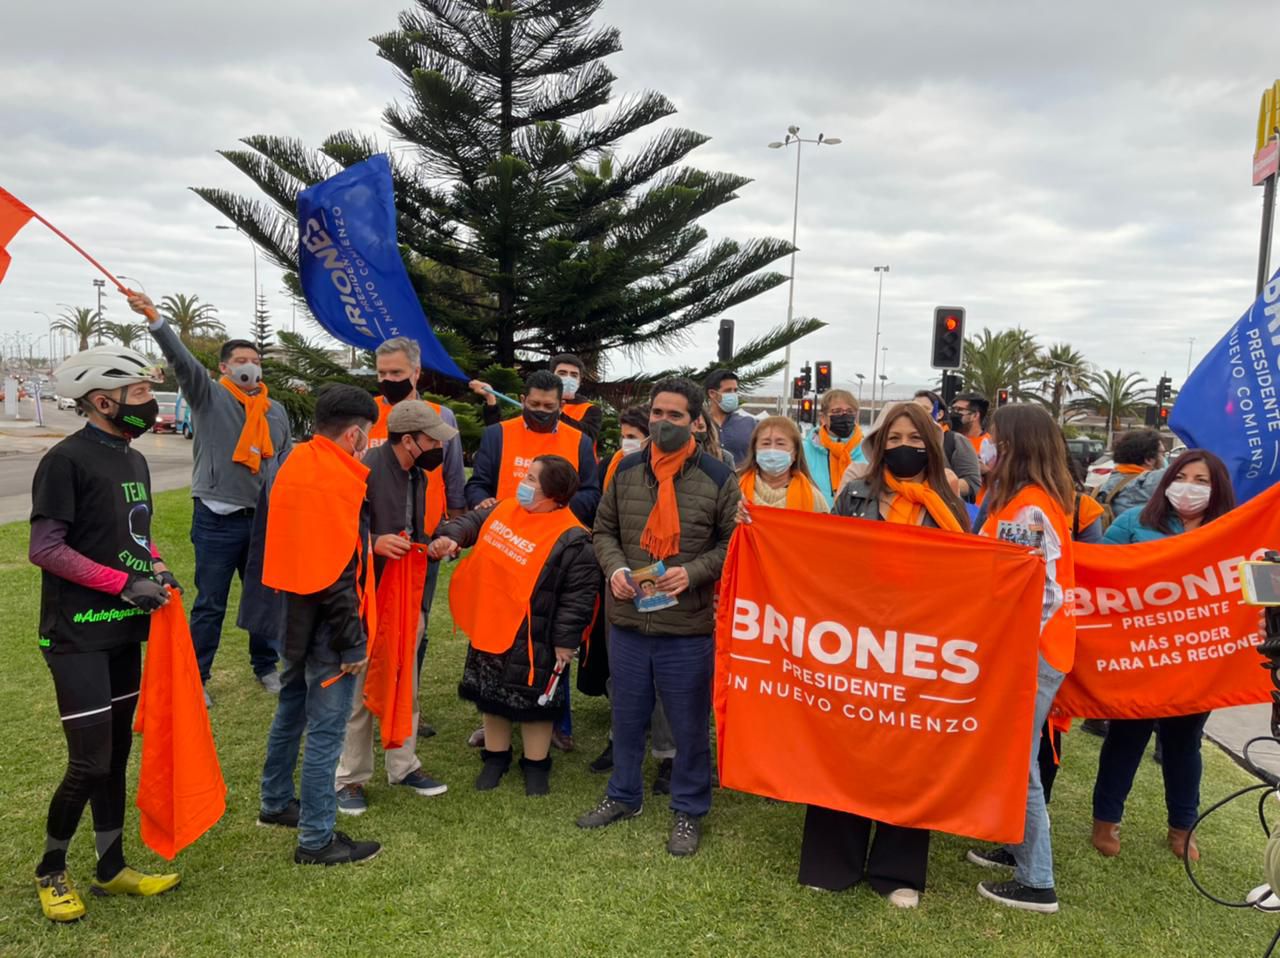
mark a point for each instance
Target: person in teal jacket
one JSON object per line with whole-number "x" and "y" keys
{"x": 1196, "y": 489}
{"x": 836, "y": 442}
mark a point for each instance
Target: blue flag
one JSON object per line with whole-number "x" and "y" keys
{"x": 350, "y": 266}
{"x": 1230, "y": 405}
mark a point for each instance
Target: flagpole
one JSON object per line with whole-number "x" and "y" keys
{"x": 76, "y": 246}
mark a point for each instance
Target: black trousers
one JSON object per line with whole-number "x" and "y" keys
{"x": 833, "y": 852}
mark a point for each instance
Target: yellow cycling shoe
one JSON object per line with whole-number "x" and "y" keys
{"x": 130, "y": 882}
{"x": 59, "y": 899}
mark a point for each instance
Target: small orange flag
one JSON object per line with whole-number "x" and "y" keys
{"x": 14, "y": 214}
{"x": 181, "y": 793}
{"x": 393, "y": 663}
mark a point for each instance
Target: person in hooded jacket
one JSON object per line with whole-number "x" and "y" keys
{"x": 829, "y": 449}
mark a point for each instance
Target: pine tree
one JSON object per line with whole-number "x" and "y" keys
{"x": 262, "y": 325}
{"x": 524, "y": 232}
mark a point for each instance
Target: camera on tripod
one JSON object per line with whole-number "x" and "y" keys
{"x": 1260, "y": 582}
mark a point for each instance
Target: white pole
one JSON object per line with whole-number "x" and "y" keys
{"x": 784, "y": 400}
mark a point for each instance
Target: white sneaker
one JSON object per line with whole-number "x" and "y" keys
{"x": 904, "y": 898}
{"x": 1263, "y": 899}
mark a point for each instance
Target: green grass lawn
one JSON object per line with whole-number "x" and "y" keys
{"x": 499, "y": 874}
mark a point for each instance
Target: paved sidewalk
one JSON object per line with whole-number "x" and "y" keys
{"x": 1231, "y": 729}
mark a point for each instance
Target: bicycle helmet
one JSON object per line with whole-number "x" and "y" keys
{"x": 103, "y": 367}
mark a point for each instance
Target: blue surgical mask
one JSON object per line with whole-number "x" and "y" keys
{"x": 729, "y": 402}
{"x": 570, "y": 385}
{"x": 773, "y": 462}
{"x": 525, "y": 494}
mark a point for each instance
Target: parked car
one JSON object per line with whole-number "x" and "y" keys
{"x": 66, "y": 402}
{"x": 1085, "y": 450}
{"x": 166, "y": 420}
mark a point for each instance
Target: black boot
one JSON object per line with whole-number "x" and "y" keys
{"x": 537, "y": 775}
{"x": 495, "y": 766}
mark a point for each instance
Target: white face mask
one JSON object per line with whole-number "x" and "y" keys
{"x": 1189, "y": 498}
{"x": 631, "y": 445}
{"x": 570, "y": 384}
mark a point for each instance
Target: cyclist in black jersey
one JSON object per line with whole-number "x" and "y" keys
{"x": 101, "y": 577}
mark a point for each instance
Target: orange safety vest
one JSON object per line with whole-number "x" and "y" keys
{"x": 492, "y": 587}
{"x": 612, "y": 469}
{"x": 1058, "y": 636}
{"x": 521, "y": 445}
{"x": 434, "y": 509}
{"x": 575, "y": 411}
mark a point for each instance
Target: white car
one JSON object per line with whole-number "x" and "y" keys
{"x": 66, "y": 402}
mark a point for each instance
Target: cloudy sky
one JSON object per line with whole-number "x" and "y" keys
{"x": 1080, "y": 169}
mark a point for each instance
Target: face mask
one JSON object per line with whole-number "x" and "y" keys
{"x": 1189, "y": 498}
{"x": 429, "y": 459}
{"x": 906, "y": 461}
{"x": 631, "y": 445}
{"x": 570, "y": 386}
{"x": 957, "y": 421}
{"x": 133, "y": 419}
{"x": 773, "y": 462}
{"x": 669, "y": 437}
{"x": 245, "y": 375}
{"x": 360, "y": 446}
{"x": 526, "y": 492}
{"x": 701, "y": 438}
{"x": 841, "y": 426}
{"x": 395, "y": 390}
{"x": 540, "y": 420}
{"x": 729, "y": 402}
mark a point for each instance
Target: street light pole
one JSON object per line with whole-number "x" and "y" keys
{"x": 861, "y": 377}
{"x": 875, "y": 350}
{"x": 793, "y": 136}
{"x": 1191, "y": 345}
{"x": 254, "y": 246}
{"x": 884, "y": 373}
{"x": 99, "y": 283}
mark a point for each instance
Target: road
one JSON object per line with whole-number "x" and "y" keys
{"x": 22, "y": 444}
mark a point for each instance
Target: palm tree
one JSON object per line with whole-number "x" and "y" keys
{"x": 82, "y": 322}
{"x": 1113, "y": 395}
{"x": 190, "y": 317}
{"x": 1003, "y": 360}
{"x": 126, "y": 334}
{"x": 1062, "y": 371}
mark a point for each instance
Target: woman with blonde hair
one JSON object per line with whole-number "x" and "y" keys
{"x": 774, "y": 472}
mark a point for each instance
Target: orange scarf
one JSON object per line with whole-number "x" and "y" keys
{"x": 255, "y": 438}
{"x": 799, "y": 491}
{"x": 839, "y": 454}
{"x": 912, "y": 499}
{"x": 1128, "y": 470}
{"x": 661, "y": 535}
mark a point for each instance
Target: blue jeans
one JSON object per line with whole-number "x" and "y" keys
{"x": 678, "y": 668}
{"x": 1180, "y": 761}
{"x": 306, "y": 707}
{"x": 222, "y": 548}
{"x": 1035, "y": 855}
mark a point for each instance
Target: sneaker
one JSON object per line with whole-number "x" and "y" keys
{"x": 287, "y": 817}
{"x": 423, "y": 784}
{"x": 686, "y": 832}
{"x": 662, "y": 781}
{"x": 997, "y": 857}
{"x": 271, "y": 681}
{"x": 351, "y": 800}
{"x": 341, "y": 850}
{"x": 1263, "y": 899}
{"x": 904, "y": 898}
{"x": 1017, "y": 895}
{"x": 59, "y": 899}
{"x": 562, "y": 741}
{"x": 130, "y": 882}
{"x": 426, "y": 730}
{"x": 606, "y": 813}
{"x": 604, "y": 761}
{"x": 476, "y": 739}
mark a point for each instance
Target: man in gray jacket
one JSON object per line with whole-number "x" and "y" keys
{"x": 225, "y": 481}
{"x": 669, "y": 501}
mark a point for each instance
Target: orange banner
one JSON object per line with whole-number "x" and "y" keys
{"x": 884, "y": 670}
{"x": 1160, "y": 628}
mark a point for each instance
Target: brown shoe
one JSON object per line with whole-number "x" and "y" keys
{"x": 1106, "y": 838}
{"x": 562, "y": 742}
{"x": 1182, "y": 844}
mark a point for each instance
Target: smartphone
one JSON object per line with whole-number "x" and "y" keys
{"x": 1261, "y": 583}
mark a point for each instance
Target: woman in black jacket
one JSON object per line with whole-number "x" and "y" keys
{"x": 506, "y": 685}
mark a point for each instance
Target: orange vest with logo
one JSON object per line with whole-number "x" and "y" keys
{"x": 434, "y": 509}
{"x": 492, "y": 587}
{"x": 521, "y": 445}
{"x": 1058, "y": 637}
{"x": 575, "y": 411}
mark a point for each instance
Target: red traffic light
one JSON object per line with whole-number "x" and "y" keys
{"x": 1164, "y": 414}
{"x": 952, "y": 323}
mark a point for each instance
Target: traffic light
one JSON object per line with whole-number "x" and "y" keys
{"x": 824, "y": 377}
{"x": 1164, "y": 391}
{"x": 806, "y": 374}
{"x": 797, "y": 388}
{"x": 951, "y": 386}
{"x": 724, "y": 352}
{"x": 1152, "y": 417}
{"x": 806, "y": 411}
{"x": 1002, "y": 398}
{"x": 1164, "y": 416}
{"x": 948, "y": 337}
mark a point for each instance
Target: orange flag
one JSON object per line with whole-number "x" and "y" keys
{"x": 181, "y": 793}
{"x": 886, "y": 686}
{"x": 14, "y": 214}
{"x": 393, "y": 661}
{"x": 1160, "y": 629}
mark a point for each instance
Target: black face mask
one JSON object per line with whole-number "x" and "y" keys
{"x": 957, "y": 421}
{"x": 540, "y": 420}
{"x": 669, "y": 437}
{"x": 395, "y": 390}
{"x": 841, "y": 426}
{"x": 429, "y": 459}
{"x": 134, "y": 419}
{"x": 906, "y": 461}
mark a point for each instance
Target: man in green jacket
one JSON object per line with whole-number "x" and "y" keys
{"x": 668, "y": 502}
